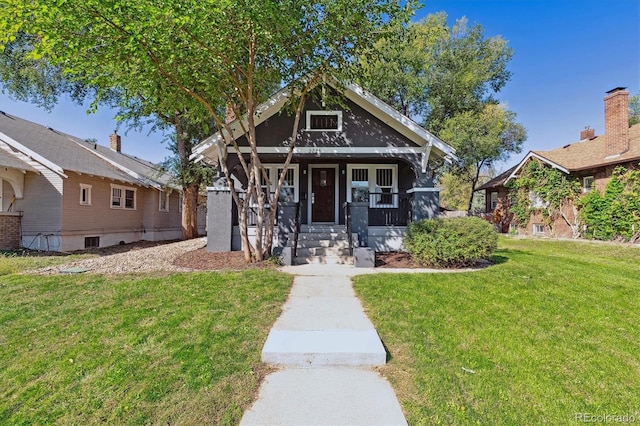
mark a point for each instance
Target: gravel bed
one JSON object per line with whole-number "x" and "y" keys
{"x": 137, "y": 260}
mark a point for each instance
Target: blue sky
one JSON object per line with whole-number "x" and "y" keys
{"x": 567, "y": 54}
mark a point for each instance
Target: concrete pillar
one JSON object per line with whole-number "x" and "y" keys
{"x": 219, "y": 218}
{"x": 360, "y": 221}
{"x": 286, "y": 221}
{"x": 426, "y": 198}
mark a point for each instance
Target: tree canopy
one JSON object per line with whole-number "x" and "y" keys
{"x": 200, "y": 56}
{"x": 447, "y": 78}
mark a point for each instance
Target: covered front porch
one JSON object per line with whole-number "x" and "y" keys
{"x": 371, "y": 199}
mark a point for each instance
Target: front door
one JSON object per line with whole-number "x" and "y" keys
{"x": 323, "y": 195}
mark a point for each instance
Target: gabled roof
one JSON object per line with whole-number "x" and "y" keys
{"x": 381, "y": 110}
{"x": 584, "y": 155}
{"x": 497, "y": 181}
{"x": 591, "y": 153}
{"x": 61, "y": 152}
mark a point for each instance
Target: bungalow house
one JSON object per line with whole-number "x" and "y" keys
{"x": 591, "y": 160}
{"x": 61, "y": 193}
{"x": 363, "y": 167}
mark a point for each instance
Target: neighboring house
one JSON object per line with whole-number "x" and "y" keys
{"x": 367, "y": 155}
{"x": 591, "y": 160}
{"x": 60, "y": 193}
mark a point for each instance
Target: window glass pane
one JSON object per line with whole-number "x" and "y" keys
{"x": 116, "y": 196}
{"x": 287, "y": 192}
{"x": 384, "y": 178}
{"x": 324, "y": 122}
{"x": 129, "y": 198}
{"x": 359, "y": 185}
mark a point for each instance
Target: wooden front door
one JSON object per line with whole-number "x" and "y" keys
{"x": 323, "y": 196}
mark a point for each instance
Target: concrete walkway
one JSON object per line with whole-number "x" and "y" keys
{"x": 326, "y": 348}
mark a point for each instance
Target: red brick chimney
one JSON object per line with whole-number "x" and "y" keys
{"x": 115, "y": 142}
{"x": 616, "y": 121}
{"x": 587, "y": 133}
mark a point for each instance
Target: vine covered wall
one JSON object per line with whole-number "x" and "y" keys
{"x": 546, "y": 192}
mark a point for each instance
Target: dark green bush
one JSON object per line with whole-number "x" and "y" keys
{"x": 451, "y": 243}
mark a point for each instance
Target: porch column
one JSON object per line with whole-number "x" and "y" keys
{"x": 286, "y": 222}
{"x": 360, "y": 221}
{"x": 219, "y": 218}
{"x": 426, "y": 198}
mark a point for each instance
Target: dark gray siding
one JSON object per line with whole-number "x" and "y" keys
{"x": 359, "y": 129}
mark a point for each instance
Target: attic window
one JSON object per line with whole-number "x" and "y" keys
{"x": 324, "y": 121}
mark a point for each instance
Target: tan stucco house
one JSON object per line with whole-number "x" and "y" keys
{"x": 61, "y": 193}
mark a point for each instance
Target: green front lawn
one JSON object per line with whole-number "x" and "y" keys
{"x": 12, "y": 262}
{"x": 548, "y": 334}
{"x": 174, "y": 349}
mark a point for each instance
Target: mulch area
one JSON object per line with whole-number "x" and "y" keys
{"x": 396, "y": 260}
{"x": 203, "y": 260}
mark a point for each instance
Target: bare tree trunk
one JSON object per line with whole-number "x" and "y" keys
{"x": 190, "y": 211}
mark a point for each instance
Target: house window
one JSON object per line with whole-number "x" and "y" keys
{"x": 375, "y": 183}
{"x": 538, "y": 229}
{"x": 494, "y": 200}
{"x": 536, "y": 201}
{"x": 324, "y": 121}
{"x": 163, "y": 201}
{"x": 290, "y": 187}
{"x": 123, "y": 197}
{"x": 359, "y": 185}
{"x": 85, "y": 194}
{"x": 587, "y": 183}
{"x": 91, "y": 242}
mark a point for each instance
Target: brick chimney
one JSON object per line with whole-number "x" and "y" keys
{"x": 587, "y": 133}
{"x": 616, "y": 121}
{"x": 115, "y": 142}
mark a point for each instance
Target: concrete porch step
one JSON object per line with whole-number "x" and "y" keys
{"x": 303, "y": 244}
{"x": 323, "y": 228}
{"x": 323, "y": 251}
{"x": 333, "y": 236}
{"x": 323, "y": 260}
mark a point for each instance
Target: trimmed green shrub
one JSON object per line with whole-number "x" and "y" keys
{"x": 451, "y": 243}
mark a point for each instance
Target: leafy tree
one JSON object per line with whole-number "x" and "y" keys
{"x": 217, "y": 53}
{"x": 455, "y": 189}
{"x": 447, "y": 78}
{"x": 31, "y": 78}
{"x": 634, "y": 109}
{"x": 432, "y": 72}
{"x": 481, "y": 139}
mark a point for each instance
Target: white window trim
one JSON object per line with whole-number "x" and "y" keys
{"x": 538, "y": 232}
{"x": 274, "y": 176}
{"x": 163, "y": 194}
{"x": 372, "y": 181}
{"x": 84, "y": 186}
{"x": 309, "y": 113}
{"x": 1, "y": 199}
{"x": 587, "y": 188}
{"x": 123, "y": 188}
